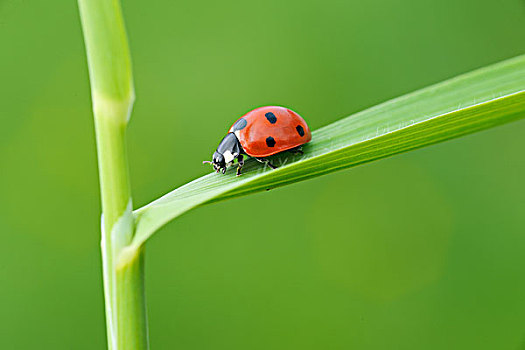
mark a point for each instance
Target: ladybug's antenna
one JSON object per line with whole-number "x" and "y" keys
{"x": 206, "y": 162}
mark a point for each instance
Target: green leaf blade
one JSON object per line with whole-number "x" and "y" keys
{"x": 471, "y": 102}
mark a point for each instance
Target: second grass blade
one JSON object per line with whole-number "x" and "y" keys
{"x": 474, "y": 101}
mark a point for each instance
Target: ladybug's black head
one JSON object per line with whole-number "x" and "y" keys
{"x": 227, "y": 151}
{"x": 218, "y": 162}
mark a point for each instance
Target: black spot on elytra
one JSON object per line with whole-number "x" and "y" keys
{"x": 270, "y": 142}
{"x": 271, "y": 117}
{"x": 300, "y": 130}
{"x": 239, "y": 124}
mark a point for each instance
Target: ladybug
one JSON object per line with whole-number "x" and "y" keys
{"x": 261, "y": 133}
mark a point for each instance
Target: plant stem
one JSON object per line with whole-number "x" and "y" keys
{"x": 122, "y": 263}
{"x": 131, "y": 300}
{"x": 113, "y": 95}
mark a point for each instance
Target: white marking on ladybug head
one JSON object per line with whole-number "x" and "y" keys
{"x": 229, "y": 157}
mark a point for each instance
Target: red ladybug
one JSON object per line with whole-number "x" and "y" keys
{"x": 259, "y": 134}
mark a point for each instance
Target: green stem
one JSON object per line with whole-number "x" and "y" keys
{"x": 112, "y": 160}
{"x": 113, "y": 95}
{"x": 122, "y": 263}
{"x": 131, "y": 301}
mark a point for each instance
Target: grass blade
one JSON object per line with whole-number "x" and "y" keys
{"x": 478, "y": 100}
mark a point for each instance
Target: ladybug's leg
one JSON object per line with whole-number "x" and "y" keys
{"x": 267, "y": 162}
{"x": 296, "y": 150}
{"x": 240, "y": 160}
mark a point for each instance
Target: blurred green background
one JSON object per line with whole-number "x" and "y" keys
{"x": 424, "y": 250}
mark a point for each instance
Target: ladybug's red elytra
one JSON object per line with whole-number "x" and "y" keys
{"x": 261, "y": 133}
